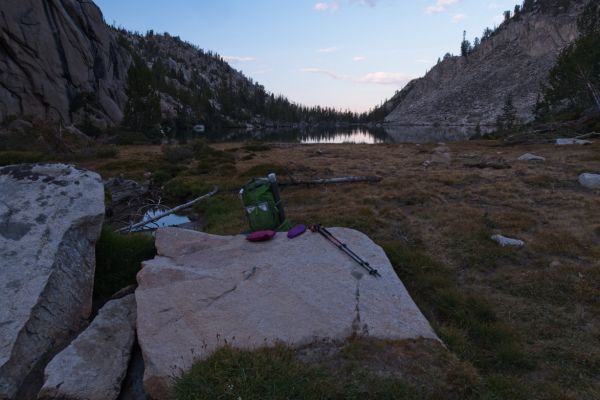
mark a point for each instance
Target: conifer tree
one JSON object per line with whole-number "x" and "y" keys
{"x": 508, "y": 119}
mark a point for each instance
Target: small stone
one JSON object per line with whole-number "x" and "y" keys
{"x": 506, "y": 241}
{"x": 590, "y": 181}
{"x": 441, "y": 155}
{"x": 531, "y": 157}
{"x": 568, "y": 142}
{"x": 555, "y": 264}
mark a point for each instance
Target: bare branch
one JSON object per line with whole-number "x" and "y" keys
{"x": 168, "y": 212}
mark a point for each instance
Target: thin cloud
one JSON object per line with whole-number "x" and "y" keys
{"x": 359, "y": 58}
{"x": 377, "y": 78}
{"x": 238, "y": 59}
{"x": 328, "y": 50}
{"x": 331, "y": 6}
{"x": 439, "y": 6}
{"x": 370, "y": 3}
{"x": 335, "y": 5}
{"x": 458, "y": 17}
{"x": 386, "y": 78}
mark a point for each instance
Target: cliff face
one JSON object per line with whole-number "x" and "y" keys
{"x": 472, "y": 90}
{"x": 60, "y": 62}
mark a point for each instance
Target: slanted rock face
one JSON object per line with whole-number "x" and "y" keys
{"x": 50, "y": 218}
{"x": 93, "y": 366}
{"x": 472, "y": 90}
{"x": 203, "y": 291}
{"x": 58, "y": 56}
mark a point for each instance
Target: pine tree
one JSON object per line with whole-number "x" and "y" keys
{"x": 508, "y": 119}
{"x": 574, "y": 81}
{"x": 465, "y": 46}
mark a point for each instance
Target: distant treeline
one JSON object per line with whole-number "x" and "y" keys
{"x": 205, "y": 91}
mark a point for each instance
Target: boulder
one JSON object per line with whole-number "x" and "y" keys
{"x": 506, "y": 241}
{"x": 441, "y": 155}
{"x": 50, "y": 218}
{"x": 590, "y": 181}
{"x": 94, "y": 365}
{"x": 204, "y": 291}
{"x": 531, "y": 157}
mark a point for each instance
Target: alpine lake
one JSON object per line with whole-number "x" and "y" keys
{"x": 354, "y": 134}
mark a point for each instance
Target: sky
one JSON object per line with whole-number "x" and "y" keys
{"x": 347, "y": 54}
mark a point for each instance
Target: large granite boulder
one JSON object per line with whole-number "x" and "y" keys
{"x": 94, "y": 365}
{"x": 203, "y": 291}
{"x": 50, "y": 218}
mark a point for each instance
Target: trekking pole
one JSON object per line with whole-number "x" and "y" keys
{"x": 343, "y": 247}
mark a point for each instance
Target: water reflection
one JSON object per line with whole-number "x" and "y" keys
{"x": 169, "y": 220}
{"x": 350, "y": 134}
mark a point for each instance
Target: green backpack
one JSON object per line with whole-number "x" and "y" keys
{"x": 262, "y": 205}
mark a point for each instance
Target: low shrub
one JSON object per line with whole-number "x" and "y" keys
{"x": 118, "y": 260}
{"x": 123, "y": 137}
{"x": 177, "y": 154}
{"x": 465, "y": 322}
{"x": 19, "y": 157}
{"x": 183, "y": 188}
{"x": 256, "y": 146}
{"x": 273, "y": 373}
{"x": 107, "y": 152}
{"x": 262, "y": 170}
{"x": 222, "y": 214}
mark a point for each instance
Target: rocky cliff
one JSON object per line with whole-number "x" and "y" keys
{"x": 61, "y": 63}
{"x": 56, "y": 55}
{"x": 472, "y": 90}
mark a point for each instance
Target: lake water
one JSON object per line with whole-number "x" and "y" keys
{"x": 352, "y": 134}
{"x": 169, "y": 220}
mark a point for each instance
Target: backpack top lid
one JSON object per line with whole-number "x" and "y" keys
{"x": 256, "y": 191}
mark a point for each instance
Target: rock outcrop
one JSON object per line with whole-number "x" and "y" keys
{"x": 203, "y": 291}
{"x": 472, "y": 90}
{"x": 60, "y": 62}
{"x": 93, "y": 366}
{"x": 50, "y": 218}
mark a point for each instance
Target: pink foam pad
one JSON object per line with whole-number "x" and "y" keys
{"x": 260, "y": 236}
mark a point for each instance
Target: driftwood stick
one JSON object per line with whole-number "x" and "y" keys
{"x": 591, "y": 134}
{"x": 341, "y": 179}
{"x": 168, "y": 212}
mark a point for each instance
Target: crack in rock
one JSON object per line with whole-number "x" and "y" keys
{"x": 356, "y": 322}
{"x": 211, "y": 300}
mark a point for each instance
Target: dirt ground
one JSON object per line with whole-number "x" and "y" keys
{"x": 537, "y": 334}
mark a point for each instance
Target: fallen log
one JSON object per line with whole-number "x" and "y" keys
{"x": 328, "y": 181}
{"x": 168, "y": 212}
